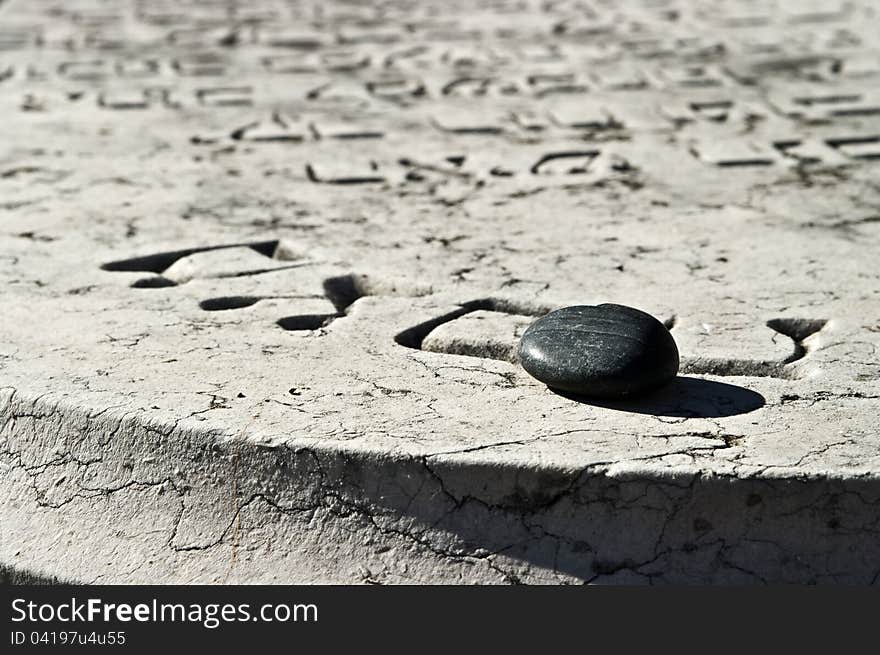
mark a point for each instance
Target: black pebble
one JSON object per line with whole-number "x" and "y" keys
{"x": 604, "y": 351}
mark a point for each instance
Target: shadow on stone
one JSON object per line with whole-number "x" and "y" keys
{"x": 684, "y": 397}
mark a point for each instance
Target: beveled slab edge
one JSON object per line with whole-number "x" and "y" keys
{"x": 162, "y": 504}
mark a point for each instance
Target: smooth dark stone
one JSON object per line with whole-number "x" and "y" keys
{"x": 603, "y": 351}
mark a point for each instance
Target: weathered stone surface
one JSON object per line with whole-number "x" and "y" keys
{"x": 601, "y": 351}
{"x": 265, "y": 266}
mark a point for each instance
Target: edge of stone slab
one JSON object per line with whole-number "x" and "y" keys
{"x": 502, "y": 523}
{"x": 13, "y": 576}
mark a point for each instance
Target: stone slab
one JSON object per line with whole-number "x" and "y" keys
{"x": 264, "y": 264}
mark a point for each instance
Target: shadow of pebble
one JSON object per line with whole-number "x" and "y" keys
{"x": 684, "y": 397}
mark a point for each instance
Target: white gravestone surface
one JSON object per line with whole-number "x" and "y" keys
{"x": 265, "y": 266}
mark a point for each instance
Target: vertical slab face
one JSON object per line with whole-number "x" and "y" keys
{"x": 265, "y": 266}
